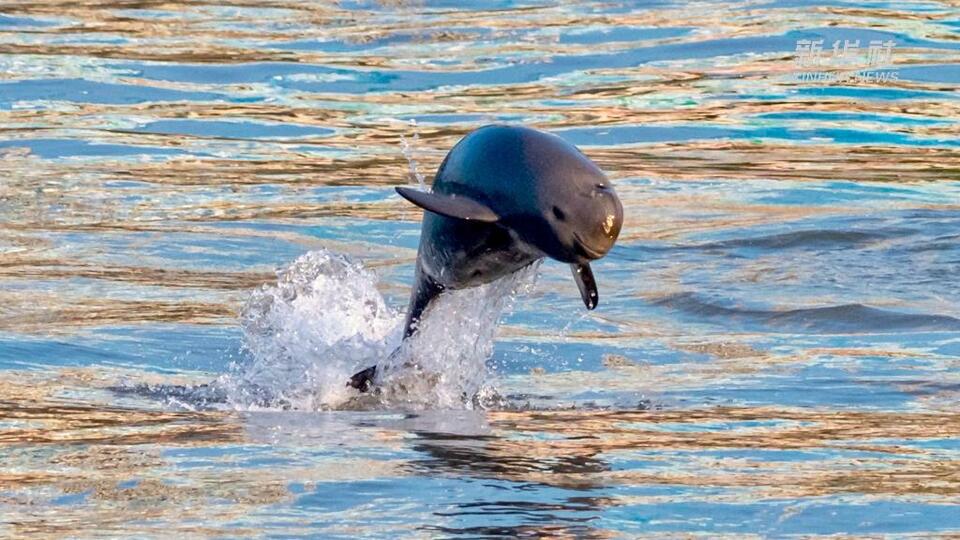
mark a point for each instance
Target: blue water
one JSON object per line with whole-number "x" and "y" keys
{"x": 775, "y": 350}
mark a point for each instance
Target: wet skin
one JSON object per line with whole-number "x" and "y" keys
{"x": 503, "y": 198}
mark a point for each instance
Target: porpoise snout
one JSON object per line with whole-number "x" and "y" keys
{"x": 606, "y": 218}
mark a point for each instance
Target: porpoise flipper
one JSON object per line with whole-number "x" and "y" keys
{"x": 455, "y": 206}
{"x": 583, "y": 275}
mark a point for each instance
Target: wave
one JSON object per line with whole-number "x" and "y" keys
{"x": 839, "y": 319}
{"x": 816, "y": 238}
{"x": 813, "y": 239}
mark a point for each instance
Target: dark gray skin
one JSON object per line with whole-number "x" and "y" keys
{"x": 503, "y": 198}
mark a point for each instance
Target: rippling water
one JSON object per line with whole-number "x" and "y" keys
{"x": 775, "y": 351}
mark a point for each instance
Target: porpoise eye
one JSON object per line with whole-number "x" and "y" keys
{"x": 558, "y": 213}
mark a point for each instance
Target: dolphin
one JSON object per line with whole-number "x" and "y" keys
{"x": 503, "y": 198}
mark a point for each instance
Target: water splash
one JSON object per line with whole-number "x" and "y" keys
{"x": 322, "y": 321}
{"x": 444, "y": 364}
{"x": 408, "y": 149}
{"x": 325, "y": 319}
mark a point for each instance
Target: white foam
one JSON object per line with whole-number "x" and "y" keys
{"x": 325, "y": 319}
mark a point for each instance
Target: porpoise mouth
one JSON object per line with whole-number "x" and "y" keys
{"x": 585, "y": 250}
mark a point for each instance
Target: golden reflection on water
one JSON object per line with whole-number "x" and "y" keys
{"x": 898, "y": 470}
{"x": 118, "y": 457}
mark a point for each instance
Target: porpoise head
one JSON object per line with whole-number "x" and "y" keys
{"x": 551, "y": 197}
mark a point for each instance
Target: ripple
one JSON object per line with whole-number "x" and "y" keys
{"x": 232, "y": 130}
{"x": 84, "y": 91}
{"x": 60, "y": 148}
{"x": 842, "y": 319}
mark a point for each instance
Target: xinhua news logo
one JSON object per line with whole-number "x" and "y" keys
{"x": 846, "y": 61}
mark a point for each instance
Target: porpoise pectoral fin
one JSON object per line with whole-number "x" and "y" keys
{"x": 583, "y": 275}
{"x": 455, "y": 206}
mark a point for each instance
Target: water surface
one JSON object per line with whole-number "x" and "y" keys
{"x": 776, "y": 347}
